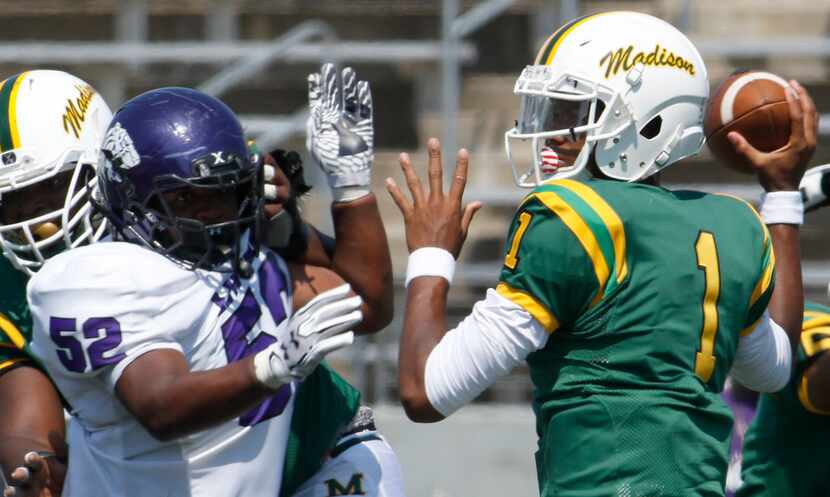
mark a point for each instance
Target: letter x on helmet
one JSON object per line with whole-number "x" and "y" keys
{"x": 170, "y": 140}
{"x": 633, "y": 85}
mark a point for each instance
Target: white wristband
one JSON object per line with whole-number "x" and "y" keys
{"x": 349, "y": 193}
{"x": 782, "y": 208}
{"x": 430, "y": 261}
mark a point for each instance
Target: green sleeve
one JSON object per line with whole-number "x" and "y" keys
{"x": 546, "y": 268}
{"x": 764, "y": 284}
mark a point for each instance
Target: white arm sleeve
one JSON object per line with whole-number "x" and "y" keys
{"x": 762, "y": 362}
{"x": 495, "y": 338}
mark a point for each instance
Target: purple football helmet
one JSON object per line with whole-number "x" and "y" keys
{"x": 174, "y": 140}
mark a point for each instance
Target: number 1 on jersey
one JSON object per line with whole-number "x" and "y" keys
{"x": 512, "y": 257}
{"x": 707, "y": 260}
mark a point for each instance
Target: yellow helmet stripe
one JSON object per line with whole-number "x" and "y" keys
{"x": 548, "y": 51}
{"x": 9, "y": 135}
{"x": 13, "y": 110}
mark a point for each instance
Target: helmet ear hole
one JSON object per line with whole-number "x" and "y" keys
{"x": 652, "y": 128}
{"x": 600, "y": 108}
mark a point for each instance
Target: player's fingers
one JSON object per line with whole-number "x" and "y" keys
{"x": 323, "y": 298}
{"x": 21, "y": 476}
{"x": 459, "y": 180}
{"x": 340, "y": 324}
{"x": 34, "y": 461}
{"x": 467, "y": 218}
{"x": 350, "y": 104}
{"x": 331, "y": 90}
{"x": 808, "y": 108}
{"x": 314, "y": 91}
{"x": 412, "y": 180}
{"x": 10, "y": 492}
{"x": 796, "y": 116}
{"x": 434, "y": 169}
{"x": 743, "y": 147}
{"x": 338, "y": 308}
{"x": 398, "y": 197}
{"x": 364, "y": 96}
{"x": 329, "y": 345}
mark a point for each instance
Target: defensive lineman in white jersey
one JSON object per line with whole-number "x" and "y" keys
{"x": 176, "y": 347}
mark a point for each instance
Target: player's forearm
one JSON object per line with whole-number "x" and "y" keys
{"x": 786, "y": 305}
{"x": 181, "y": 403}
{"x": 424, "y": 326}
{"x": 361, "y": 257}
{"x": 31, "y": 414}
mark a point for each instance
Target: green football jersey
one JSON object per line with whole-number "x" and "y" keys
{"x": 645, "y": 293}
{"x": 325, "y": 403}
{"x": 15, "y": 320}
{"x": 787, "y": 444}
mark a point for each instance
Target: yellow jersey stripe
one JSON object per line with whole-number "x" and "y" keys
{"x": 612, "y": 221}
{"x": 9, "y": 328}
{"x": 813, "y": 319}
{"x": 11, "y": 362}
{"x": 765, "y": 280}
{"x": 751, "y": 328}
{"x": 529, "y": 303}
{"x": 13, "y": 111}
{"x": 583, "y": 233}
{"x": 804, "y": 397}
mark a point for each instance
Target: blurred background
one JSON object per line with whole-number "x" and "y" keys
{"x": 437, "y": 68}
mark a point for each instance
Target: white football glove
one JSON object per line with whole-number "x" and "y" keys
{"x": 340, "y": 132}
{"x": 815, "y": 187}
{"x": 318, "y": 328}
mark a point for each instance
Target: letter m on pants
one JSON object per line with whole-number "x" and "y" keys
{"x": 354, "y": 487}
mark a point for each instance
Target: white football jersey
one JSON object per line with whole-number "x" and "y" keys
{"x": 98, "y": 308}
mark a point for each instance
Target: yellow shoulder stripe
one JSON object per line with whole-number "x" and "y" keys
{"x": 7, "y": 327}
{"x": 612, "y": 222}
{"x": 11, "y": 362}
{"x": 583, "y": 233}
{"x": 529, "y": 303}
{"x": 813, "y": 319}
{"x": 811, "y": 345}
{"x": 804, "y": 397}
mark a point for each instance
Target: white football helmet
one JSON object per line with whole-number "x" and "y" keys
{"x": 50, "y": 122}
{"x": 633, "y": 85}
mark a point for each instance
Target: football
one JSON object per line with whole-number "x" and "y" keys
{"x": 752, "y": 103}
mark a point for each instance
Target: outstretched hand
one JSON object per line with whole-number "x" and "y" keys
{"x": 782, "y": 169}
{"x": 42, "y": 476}
{"x": 434, "y": 219}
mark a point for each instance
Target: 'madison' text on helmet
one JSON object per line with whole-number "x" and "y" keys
{"x": 51, "y": 124}
{"x": 632, "y": 85}
{"x": 165, "y": 147}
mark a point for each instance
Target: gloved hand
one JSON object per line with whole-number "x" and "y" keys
{"x": 340, "y": 131}
{"x": 317, "y": 329}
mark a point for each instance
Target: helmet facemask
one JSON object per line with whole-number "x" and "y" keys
{"x": 556, "y": 107}
{"x": 30, "y": 240}
{"x": 224, "y": 245}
